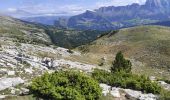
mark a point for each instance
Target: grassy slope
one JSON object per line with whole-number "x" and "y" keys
{"x": 147, "y": 46}
{"x": 20, "y": 31}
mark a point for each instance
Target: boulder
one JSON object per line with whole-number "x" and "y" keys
{"x": 9, "y": 82}
{"x": 11, "y": 73}
{"x": 2, "y": 96}
{"x": 13, "y": 92}
{"x": 105, "y": 89}
{"x": 152, "y": 78}
{"x": 48, "y": 62}
{"x": 115, "y": 92}
{"x": 24, "y": 91}
{"x": 3, "y": 71}
{"x": 147, "y": 97}
{"x": 131, "y": 94}
{"x": 28, "y": 70}
{"x": 164, "y": 85}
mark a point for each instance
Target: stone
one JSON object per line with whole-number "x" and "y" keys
{"x": 105, "y": 89}
{"x": 3, "y": 71}
{"x": 11, "y": 73}
{"x": 2, "y": 96}
{"x": 148, "y": 97}
{"x": 63, "y": 51}
{"x": 115, "y": 92}
{"x": 130, "y": 94}
{"x": 152, "y": 78}
{"x": 9, "y": 82}
{"x": 162, "y": 83}
{"x": 24, "y": 91}
{"x": 13, "y": 92}
{"x": 73, "y": 65}
{"x": 28, "y": 70}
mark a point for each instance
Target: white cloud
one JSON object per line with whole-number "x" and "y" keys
{"x": 74, "y": 9}
{"x": 50, "y": 9}
{"x": 118, "y": 2}
{"x": 11, "y": 9}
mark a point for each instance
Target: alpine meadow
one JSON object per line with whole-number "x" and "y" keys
{"x": 85, "y": 50}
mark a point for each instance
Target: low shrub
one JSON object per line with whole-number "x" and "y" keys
{"x": 127, "y": 80}
{"x": 165, "y": 95}
{"x": 65, "y": 85}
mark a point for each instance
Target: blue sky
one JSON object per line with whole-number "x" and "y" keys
{"x": 22, "y": 8}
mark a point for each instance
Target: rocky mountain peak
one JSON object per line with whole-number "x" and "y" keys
{"x": 89, "y": 13}
{"x": 157, "y": 3}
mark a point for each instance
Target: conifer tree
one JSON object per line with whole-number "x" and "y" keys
{"x": 121, "y": 64}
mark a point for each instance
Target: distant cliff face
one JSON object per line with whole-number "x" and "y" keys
{"x": 158, "y": 3}
{"x": 112, "y": 17}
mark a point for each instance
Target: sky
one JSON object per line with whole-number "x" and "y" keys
{"x": 30, "y": 8}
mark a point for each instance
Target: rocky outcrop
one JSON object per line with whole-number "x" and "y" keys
{"x": 23, "y": 62}
{"x": 126, "y": 93}
{"x": 165, "y": 85}
{"x": 58, "y": 64}
{"x": 131, "y": 94}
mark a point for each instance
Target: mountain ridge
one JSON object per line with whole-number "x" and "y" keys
{"x": 109, "y": 18}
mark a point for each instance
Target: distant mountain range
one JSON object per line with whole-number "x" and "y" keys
{"x": 109, "y": 18}
{"x": 47, "y": 20}
{"x": 163, "y": 23}
{"x": 106, "y": 18}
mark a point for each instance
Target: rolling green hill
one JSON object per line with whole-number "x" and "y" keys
{"x": 147, "y": 46}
